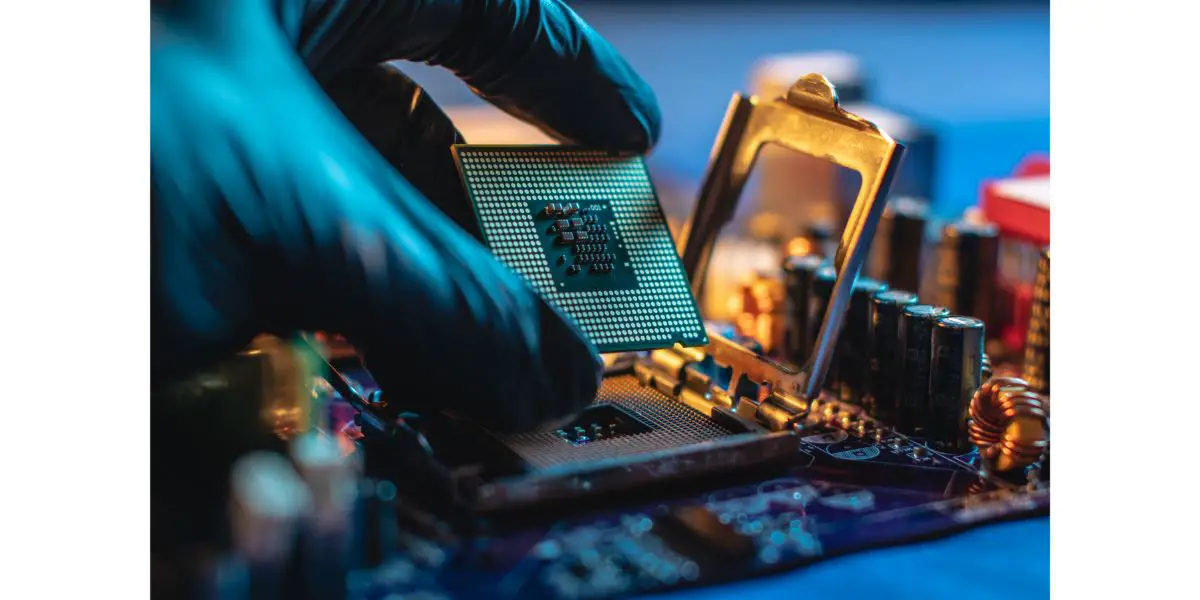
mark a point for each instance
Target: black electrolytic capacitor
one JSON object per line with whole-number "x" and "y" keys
{"x": 823, "y": 284}
{"x": 955, "y": 370}
{"x": 854, "y": 342}
{"x": 907, "y": 220}
{"x": 820, "y": 235}
{"x": 799, "y": 273}
{"x": 883, "y": 388}
{"x": 967, "y": 264}
{"x": 916, "y": 333}
{"x": 1037, "y": 337}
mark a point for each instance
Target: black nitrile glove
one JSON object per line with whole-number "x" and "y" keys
{"x": 275, "y": 209}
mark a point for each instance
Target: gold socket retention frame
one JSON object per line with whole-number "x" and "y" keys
{"x": 808, "y": 120}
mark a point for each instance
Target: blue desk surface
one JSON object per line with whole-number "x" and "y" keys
{"x": 1004, "y": 561}
{"x": 980, "y": 73}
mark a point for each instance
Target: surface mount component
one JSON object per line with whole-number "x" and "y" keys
{"x": 807, "y": 119}
{"x": 585, "y": 229}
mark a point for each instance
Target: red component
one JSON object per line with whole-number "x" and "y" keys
{"x": 1020, "y": 208}
{"x": 1020, "y": 205}
{"x": 1033, "y": 166}
{"x": 1013, "y": 335}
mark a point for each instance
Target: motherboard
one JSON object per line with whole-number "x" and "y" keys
{"x": 847, "y": 483}
{"x": 852, "y": 402}
{"x": 841, "y": 492}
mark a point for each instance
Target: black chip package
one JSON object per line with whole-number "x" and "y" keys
{"x": 635, "y": 295}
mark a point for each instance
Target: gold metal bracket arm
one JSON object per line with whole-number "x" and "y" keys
{"x": 807, "y": 120}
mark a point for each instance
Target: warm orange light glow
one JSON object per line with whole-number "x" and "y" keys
{"x": 760, "y": 304}
{"x": 800, "y": 246}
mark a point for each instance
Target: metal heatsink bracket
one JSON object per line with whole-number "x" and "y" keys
{"x": 809, "y": 120}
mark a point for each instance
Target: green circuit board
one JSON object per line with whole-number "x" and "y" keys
{"x": 586, "y": 230}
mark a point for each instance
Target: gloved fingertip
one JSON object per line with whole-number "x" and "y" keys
{"x": 645, "y": 123}
{"x": 571, "y": 370}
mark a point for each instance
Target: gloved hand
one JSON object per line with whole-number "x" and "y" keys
{"x": 292, "y": 176}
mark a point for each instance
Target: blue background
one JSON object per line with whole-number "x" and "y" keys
{"x": 976, "y": 73}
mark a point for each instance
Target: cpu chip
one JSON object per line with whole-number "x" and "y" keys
{"x": 586, "y": 230}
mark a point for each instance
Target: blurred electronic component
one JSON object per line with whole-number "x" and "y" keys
{"x": 899, "y": 246}
{"x": 762, "y": 315}
{"x": 1019, "y": 206}
{"x": 1009, "y": 424}
{"x": 288, "y": 397}
{"x": 329, "y": 475}
{"x": 239, "y": 393}
{"x": 332, "y": 479}
{"x": 955, "y": 370}
{"x": 800, "y": 274}
{"x": 706, "y": 528}
{"x": 967, "y": 263}
{"x": 821, "y": 236}
{"x": 854, "y": 342}
{"x": 816, "y": 238}
{"x": 637, "y": 274}
{"x": 735, "y": 261}
{"x": 884, "y": 389}
{"x": 799, "y": 246}
{"x": 917, "y": 322}
{"x": 267, "y": 501}
{"x": 334, "y": 347}
{"x": 375, "y": 528}
{"x": 1037, "y": 345}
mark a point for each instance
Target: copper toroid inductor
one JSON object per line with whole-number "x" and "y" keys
{"x": 1009, "y": 423}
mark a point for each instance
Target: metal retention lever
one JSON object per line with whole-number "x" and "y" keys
{"x": 808, "y": 120}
